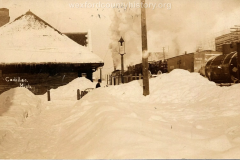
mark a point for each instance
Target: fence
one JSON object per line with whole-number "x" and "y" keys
{"x": 80, "y": 94}
{"x": 116, "y": 80}
{"x": 111, "y": 80}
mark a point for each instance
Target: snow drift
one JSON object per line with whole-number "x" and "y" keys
{"x": 179, "y": 86}
{"x": 17, "y": 105}
{"x": 185, "y": 116}
{"x": 69, "y": 91}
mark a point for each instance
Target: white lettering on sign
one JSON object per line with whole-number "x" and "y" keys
{"x": 22, "y": 82}
{"x": 15, "y": 79}
{"x": 26, "y": 86}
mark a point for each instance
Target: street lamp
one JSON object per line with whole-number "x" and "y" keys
{"x": 121, "y": 44}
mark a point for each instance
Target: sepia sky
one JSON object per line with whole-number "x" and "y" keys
{"x": 177, "y": 25}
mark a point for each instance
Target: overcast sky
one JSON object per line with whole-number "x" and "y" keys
{"x": 178, "y": 25}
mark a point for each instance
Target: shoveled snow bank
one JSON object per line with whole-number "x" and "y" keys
{"x": 107, "y": 126}
{"x": 69, "y": 91}
{"x": 17, "y": 105}
{"x": 118, "y": 122}
{"x": 179, "y": 86}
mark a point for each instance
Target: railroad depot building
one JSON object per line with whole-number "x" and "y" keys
{"x": 37, "y": 56}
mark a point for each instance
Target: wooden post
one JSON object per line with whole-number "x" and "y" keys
{"x": 122, "y": 69}
{"x": 78, "y": 94}
{"x": 82, "y": 94}
{"x": 48, "y": 94}
{"x": 101, "y": 73}
{"x": 131, "y": 77}
{"x": 140, "y": 76}
{"x": 107, "y": 79}
{"x": 144, "y": 51}
{"x": 110, "y": 80}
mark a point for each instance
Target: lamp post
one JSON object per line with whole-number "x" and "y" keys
{"x": 121, "y": 44}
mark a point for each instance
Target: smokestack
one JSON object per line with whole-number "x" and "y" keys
{"x": 4, "y": 16}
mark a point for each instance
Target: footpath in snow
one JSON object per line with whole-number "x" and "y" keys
{"x": 185, "y": 116}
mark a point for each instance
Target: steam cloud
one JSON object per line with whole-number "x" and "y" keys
{"x": 188, "y": 25}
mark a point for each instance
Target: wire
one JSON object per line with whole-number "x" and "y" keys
{"x": 105, "y": 54}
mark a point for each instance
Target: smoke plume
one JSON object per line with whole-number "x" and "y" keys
{"x": 188, "y": 25}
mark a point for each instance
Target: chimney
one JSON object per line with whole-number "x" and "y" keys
{"x": 4, "y": 16}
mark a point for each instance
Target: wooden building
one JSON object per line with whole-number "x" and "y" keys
{"x": 37, "y": 56}
{"x": 193, "y": 62}
{"x": 227, "y": 43}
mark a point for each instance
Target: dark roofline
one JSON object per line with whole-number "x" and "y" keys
{"x": 180, "y": 55}
{"x": 95, "y": 64}
{"x": 4, "y": 9}
{"x": 39, "y": 19}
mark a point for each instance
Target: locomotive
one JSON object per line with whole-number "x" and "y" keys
{"x": 157, "y": 67}
{"x": 191, "y": 62}
{"x": 224, "y": 68}
{"x": 216, "y": 66}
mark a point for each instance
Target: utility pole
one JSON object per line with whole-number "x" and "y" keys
{"x": 144, "y": 50}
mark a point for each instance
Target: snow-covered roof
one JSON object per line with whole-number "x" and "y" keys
{"x": 30, "y": 40}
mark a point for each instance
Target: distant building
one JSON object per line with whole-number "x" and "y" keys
{"x": 193, "y": 62}
{"x": 4, "y": 16}
{"x": 227, "y": 43}
{"x": 37, "y": 56}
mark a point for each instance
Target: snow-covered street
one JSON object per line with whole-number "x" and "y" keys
{"x": 185, "y": 116}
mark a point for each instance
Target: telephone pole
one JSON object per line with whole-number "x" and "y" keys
{"x": 144, "y": 50}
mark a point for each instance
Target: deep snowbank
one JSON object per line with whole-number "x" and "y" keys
{"x": 179, "y": 86}
{"x": 17, "y": 105}
{"x": 185, "y": 116}
{"x": 106, "y": 126}
{"x": 69, "y": 91}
